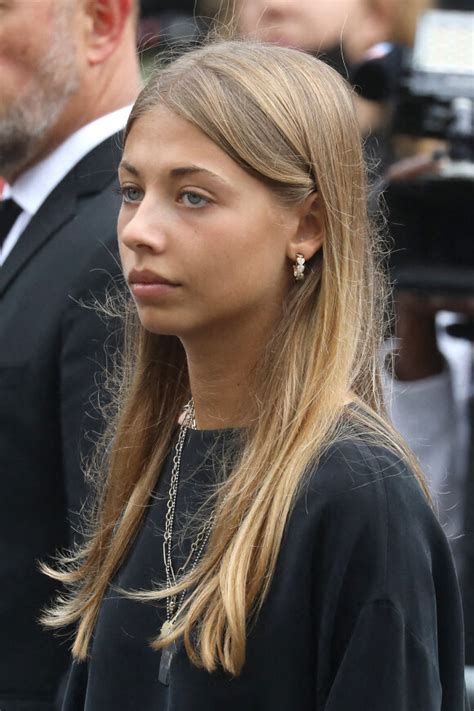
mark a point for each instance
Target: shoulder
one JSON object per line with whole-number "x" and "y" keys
{"x": 94, "y": 225}
{"x": 374, "y": 538}
{"x": 353, "y": 467}
{"x": 105, "y": 157}
{"x": 371, "y": 488}
{"x": 364, "y": 510}
{"x": 355, "y": 478}
{"x": 92, "y": 185}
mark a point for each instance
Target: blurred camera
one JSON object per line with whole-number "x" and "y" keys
{"x": 430, "y": 193}
{"x": 436, "y": 86}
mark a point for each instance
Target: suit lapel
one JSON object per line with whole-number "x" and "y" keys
{"x": 91, "y": 175}
{"x": 58, "y": 209}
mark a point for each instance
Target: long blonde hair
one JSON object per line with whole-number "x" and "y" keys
{"x": 288, "y": 119}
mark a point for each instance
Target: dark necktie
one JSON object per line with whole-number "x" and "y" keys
{"x": 9, "y": 211}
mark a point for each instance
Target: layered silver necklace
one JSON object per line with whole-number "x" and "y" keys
{"x": 175, "y": 602}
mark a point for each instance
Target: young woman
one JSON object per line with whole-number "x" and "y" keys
{"x": 260, "y": 540}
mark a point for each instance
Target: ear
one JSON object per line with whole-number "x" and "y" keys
{"x": 308, "y": 237}
{"x": 105, "y": 25}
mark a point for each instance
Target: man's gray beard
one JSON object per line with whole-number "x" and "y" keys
{"x": 25, "y": 125}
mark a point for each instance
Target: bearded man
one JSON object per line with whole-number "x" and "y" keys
{"x": 68, "y": 74}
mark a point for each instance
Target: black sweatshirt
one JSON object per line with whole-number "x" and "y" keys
{"x": 363, "y": 613}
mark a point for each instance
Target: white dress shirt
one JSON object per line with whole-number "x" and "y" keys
{"x": 32, "y": 187}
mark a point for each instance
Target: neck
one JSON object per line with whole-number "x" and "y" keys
{"x": 112, "y": 86}
{"x": 222, "y": 373}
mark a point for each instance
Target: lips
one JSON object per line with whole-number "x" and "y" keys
{"x": 148, "y": 277}
{"x": 147, "y": 286}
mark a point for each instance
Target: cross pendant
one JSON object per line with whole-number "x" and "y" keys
{"x": 167, "y": 655}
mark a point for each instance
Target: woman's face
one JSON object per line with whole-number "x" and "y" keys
{"x": 305, "y": 24}
{"x": 203, "y": 244}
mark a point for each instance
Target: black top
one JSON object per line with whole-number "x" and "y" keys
{"x": 363, "y": 612}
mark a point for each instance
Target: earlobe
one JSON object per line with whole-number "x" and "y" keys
{"x": 309, "y": 235}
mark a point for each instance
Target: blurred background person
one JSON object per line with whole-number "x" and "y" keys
{"x": 68, "y": 74}
{"x": 428, "y": 394}
{"x": 339, "y": 32}
{"x": 321, "y": 26}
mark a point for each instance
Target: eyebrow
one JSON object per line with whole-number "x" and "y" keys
{"x": 125, "y": 165}
{"x": 175, "y": 172}
{"x": 192, "y": 170}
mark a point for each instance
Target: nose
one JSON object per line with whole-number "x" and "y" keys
{"x": 141, "y": 228}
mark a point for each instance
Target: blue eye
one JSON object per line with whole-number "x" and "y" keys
{"x": 130, "y": 193}
{"x": 191, "y": 199}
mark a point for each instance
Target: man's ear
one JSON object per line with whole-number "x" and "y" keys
{"x": 308, "y": 237}
{"x": 105, "y": 25}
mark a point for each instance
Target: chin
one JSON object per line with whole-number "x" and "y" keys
{"x": 160, "y": 324}
{"x": 158, "y": 328}
{"x": 184, "y": 325}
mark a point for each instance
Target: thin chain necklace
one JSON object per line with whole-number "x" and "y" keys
{"x": 175, "y": 602}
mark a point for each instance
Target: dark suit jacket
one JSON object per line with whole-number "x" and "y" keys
{"x": 51, "y": 354}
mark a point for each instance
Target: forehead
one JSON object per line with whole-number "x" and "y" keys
{"x": 320, "y": 9}
{"x": 160, "y": 139}
{"x": 304, "y": 23}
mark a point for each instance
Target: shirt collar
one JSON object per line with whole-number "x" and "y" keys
{"x": 33, "y": 186}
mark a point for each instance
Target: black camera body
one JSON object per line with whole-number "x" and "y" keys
{"x": 431, "y": 92}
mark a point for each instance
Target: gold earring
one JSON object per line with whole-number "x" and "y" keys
{"x": 298, "y": 267}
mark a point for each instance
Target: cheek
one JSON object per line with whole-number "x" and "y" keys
{"x": 16, "y": 67}
{"x": 120, "y": 226}
{"x": 124, "y": 253}
{"x": 122, "y": 222}
{"x": 244, "y": 269}
{"x": 21, "y": 50}
{"x": 19, "y": 60}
